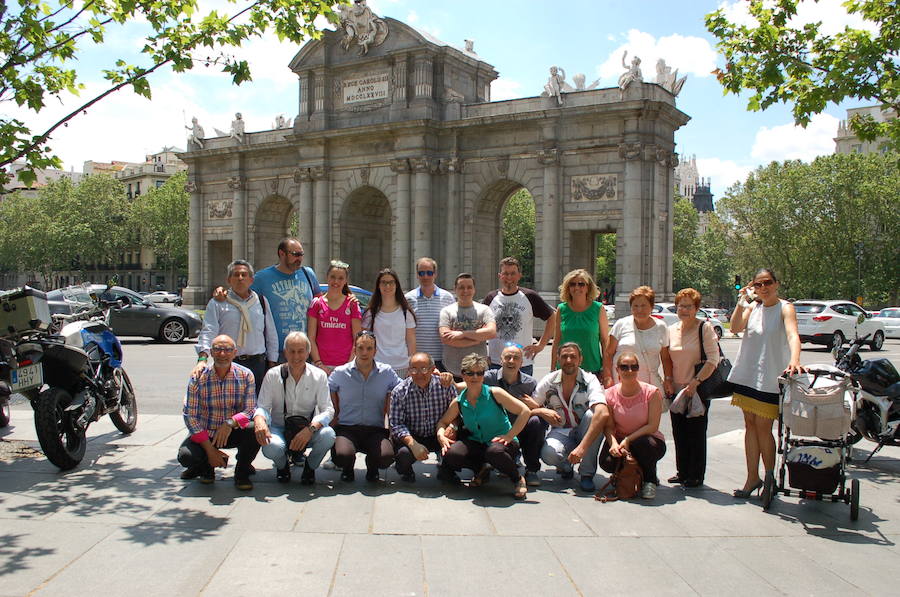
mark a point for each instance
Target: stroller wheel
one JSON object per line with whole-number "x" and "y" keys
{"x": 854, "y": 499}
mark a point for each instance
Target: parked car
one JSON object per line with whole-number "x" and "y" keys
{"x": 362, "y": 295}
{"x": 720, "y": 314}
{"x": 831, "y": 323}
{"x": 163, "y": 296}
{"x": 666, "y": 312}
{"x": 136, "y": 316}
{"x": 891, "y": 319}
{"x": 610, "y": 312}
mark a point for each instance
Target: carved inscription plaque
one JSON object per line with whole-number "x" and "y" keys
{"x": 366, "y": 89}
{"x": 594, "y": 187}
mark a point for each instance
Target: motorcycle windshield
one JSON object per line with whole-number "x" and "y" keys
{"x": 79, "y": 295}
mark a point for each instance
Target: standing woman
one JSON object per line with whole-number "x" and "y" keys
{"x": 645, "y": 336}
{"x": 581, "y": 319}
{"x": 333, "y": 320}
{"x": 769, "y": 347}
{"x": 684, "y": 348}
{"x": 393, "y": 322}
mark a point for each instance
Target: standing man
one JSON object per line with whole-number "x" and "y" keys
{"x": 289, "y": 287}
{"x": 514, "y": 311}
{"x": 294, "y": 411}
{"x": 519, "y": 384}
{"x": 427, "y": 300}
{"x": 417, "y": 404}
{"x": 465, "y": 326}
{"x": 217, "y": 410}
{"x": 566, "y": 398}
{"x": 245, "y": 316}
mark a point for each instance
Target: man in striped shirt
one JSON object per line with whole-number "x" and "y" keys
{"x": 427, "y": 300}
{"x": 217, "y": 410}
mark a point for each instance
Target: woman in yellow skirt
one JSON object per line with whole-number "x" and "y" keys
{"x": 770, "y": 346}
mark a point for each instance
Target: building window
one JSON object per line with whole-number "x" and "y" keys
{"x": 159, "y": 183}
{"x": 856, "y": 148}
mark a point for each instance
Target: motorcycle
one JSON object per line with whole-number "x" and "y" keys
{"x": 878, "y": 404}
{"x": 68, "y": 366}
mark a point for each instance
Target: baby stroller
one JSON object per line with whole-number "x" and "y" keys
{"x": 814, "y": 417}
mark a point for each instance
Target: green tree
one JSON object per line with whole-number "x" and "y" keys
{"x": 686, "y": 258}
{"x": 605, "y": 269}
{"x": 162, "y": 218}
{"x": 807, "y": 221}
{"x": 518, "y": 233}
{"x": 41, "y": 40}
{"x": 27, "y": 242}
{"x": 779, "y": 62}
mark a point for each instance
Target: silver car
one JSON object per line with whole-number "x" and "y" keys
{"x": 891, "y": 319}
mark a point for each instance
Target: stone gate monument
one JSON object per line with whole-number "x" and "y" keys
{"x": 397, "y": 152}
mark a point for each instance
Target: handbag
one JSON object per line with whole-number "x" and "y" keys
{"x": 717, "y": 384}
{"x": 293, "y": 424}
{"x": 626, "y": 481}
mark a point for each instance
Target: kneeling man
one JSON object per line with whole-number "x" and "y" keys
{"x": 294, "y": 411}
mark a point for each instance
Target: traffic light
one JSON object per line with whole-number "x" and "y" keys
{"x": 737, "y": 282}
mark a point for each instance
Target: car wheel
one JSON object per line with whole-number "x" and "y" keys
{"x": 172, "y": 331}
{"x": 837, "y": 340}
{"x": 877, "y": 341}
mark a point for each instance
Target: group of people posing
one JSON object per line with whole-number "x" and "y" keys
{"x": 298, "y": 374}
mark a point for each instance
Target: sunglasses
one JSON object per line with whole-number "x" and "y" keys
{"x": 295, "y": 253}
{"x": 223, "y": 349}
{"x": 473, "y": 373}
{"x": 763, "y": 283}
{"x": 634, "y": 367}
{"x": 578, "y": 284}
{"x": 425, "y": 272}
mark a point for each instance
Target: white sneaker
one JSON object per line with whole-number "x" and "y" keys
{"x": 648, "y": 491}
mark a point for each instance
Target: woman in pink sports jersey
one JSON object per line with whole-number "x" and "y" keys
{"x": 333, "y": 319}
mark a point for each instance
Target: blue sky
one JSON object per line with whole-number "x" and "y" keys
{"x": 522, "y": 39}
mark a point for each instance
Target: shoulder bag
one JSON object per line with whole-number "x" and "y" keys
{"x": 717, "y": 384}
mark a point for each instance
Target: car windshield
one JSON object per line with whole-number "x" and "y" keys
{"x": 809, "y": 307}
{"x": 889, "y": 313}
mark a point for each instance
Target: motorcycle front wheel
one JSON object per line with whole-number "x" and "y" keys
{"x": 125, "y": 418}
{"x": 62, "y": 441}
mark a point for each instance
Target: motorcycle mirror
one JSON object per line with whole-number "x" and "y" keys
{"x": 114, "y": 281}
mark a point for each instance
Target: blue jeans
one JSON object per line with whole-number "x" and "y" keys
{"x": 560, "y": 441}
{"x": 319, "y": 444}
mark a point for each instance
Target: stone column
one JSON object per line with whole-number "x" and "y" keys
{"x": 305, "y": 210}
{"x": 238, "y": 186}
{"x": 322, "y": 223}
{"x": 551, "y": 231}
{"x": 401, "y": 228}
{"x": 194, "y": 294}
{"x": 422, "y": 207}
{"x": 630, "y": 270}
{"x": 453, "y": 255}
{"x": 424, "y": 77}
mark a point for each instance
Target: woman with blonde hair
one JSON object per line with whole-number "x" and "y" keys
{"x": 581, "y": 319}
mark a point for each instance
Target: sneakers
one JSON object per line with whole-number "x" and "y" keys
{"x": 565, "y": 472}
{"x": 445, "y": 475}
{"x": 648, "y": 491}
{"x": 408, "y": 477}
{"x": 283, "y": 475}
{"x": 372, "y": 476}
{"x": 190, "y": 473}
{"x": 208, "y": 476}
{"x": 243, "y": 483}
{"x": 532, "y": 478}
{"x": 587, "y": 483}
{"x": 674, "y": 480}
{"x": 309, "y": 475}
{"x": 348, "y": 475}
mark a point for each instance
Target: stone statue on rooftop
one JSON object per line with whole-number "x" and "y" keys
{"x": 556, "y": 85}
{"x": 362, "y": 27}
{"x": 197, "y": 134}
{"x": 281, "y": 122}
{"x": 668, "y": 80}
{"x": 237, "y": 128}
{"x": 632, "y": 72}
{"x": 579, "y": 80}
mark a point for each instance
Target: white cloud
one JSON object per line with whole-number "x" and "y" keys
{"x": 413, "y": 20}
{"x": 690, "y": 55}
{"x": 504, "y": 89}
{"x": 831, "y": 13}
{"x": 791, "y": 142}
{"x": 723, "y": 173}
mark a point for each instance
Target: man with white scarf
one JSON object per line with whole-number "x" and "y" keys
{"x": 244, "y": 316}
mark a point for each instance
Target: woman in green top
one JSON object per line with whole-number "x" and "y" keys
{"x": 486, "y": 437}
{"x": 581, "y": 319}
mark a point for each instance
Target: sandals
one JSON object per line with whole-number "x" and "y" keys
{"x": 521, "y": 489}
{"x": 482, "y": 477}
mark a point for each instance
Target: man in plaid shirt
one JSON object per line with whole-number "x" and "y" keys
{"x": 217, "y": 410}
{"x": 417, "y": 404}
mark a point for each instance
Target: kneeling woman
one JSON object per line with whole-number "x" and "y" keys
{"x": 486, "y": 436}
{"x": 635, "y": 407}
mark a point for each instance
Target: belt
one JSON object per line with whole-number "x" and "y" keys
{"x": 250, "y": 357}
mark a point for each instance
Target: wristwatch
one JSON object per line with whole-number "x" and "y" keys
{"x": 232, "y": 423}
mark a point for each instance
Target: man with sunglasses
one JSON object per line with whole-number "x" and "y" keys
{"x": 427, "y": 300}
{"x": 566, "y": 398}
{"x": 217, "y": 409}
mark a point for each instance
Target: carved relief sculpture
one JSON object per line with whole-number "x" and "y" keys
{"x": 220, "y": 210}
{"x": 301, "y": 175}
{"x": 629, "y": 151}
{"x": 362, "y": 27}
{"x": 594, "y": 187}
{"x": 190, "y": 186}
{"x": 235, "y": 183}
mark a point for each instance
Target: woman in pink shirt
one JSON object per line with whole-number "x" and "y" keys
{"x": 333, "y": 319}
{"x": 635, "y": 408}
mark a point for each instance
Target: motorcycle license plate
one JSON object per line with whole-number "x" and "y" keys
{"x": 26, "y": 378}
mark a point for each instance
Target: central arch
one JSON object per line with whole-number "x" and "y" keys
{"x": 489, "y": 233}
{"x": 273, "y": 220}
{"x": 365, "y": 233}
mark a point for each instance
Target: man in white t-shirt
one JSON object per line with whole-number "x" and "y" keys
{"x": 514, "y": 311}
{"x": 465, "y": 326}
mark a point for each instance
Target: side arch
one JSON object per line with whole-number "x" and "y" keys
{"x": 364, "y": 229}
{"x": 488, "y": 231}
{"x": 272, "y": 222}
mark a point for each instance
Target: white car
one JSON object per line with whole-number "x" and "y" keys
{"x": 163, "y": 296}
{"x": 720, "y": 314}
{"x": 891, "y": 319}
{"x": 666, "y": 312}
{"x": 834, "y": 322}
